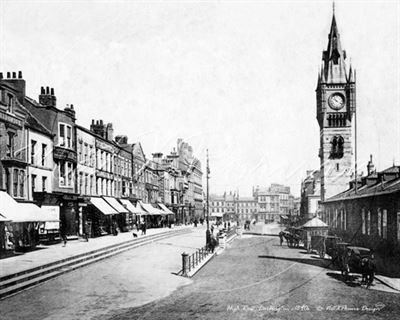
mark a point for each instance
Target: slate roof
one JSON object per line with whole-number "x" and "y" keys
{"x": 34, "y": 123}
{"x": 381, "y": 187}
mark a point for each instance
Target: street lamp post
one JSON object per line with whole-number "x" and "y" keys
{"x": 208, "y": 233}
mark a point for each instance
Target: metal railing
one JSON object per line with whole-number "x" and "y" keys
{"x": 189, "y": 262}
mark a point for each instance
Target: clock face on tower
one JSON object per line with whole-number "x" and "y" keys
{"x": 336, "y": 101}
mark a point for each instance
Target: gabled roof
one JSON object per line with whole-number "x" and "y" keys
{"x": 315, "y": 223}
{"x": 33, "y": 122}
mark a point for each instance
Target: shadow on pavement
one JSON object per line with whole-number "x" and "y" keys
{"x": 351, "y": 281}
{"x": 314, "y": 262}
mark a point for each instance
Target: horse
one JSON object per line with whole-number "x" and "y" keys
{"x": 368, "y": 267}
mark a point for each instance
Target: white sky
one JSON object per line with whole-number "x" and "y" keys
{"x": 236, "y": 77}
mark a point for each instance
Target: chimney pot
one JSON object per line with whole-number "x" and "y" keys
{"x": 14, "y": 75}
{"x": 19, "y": 74}
{"x": 92, "y": 121}
{"x": 47, "y": 90}
{"x": 42, "y": 91}
{"x": 101, "y": 122}
{"x": 72, "y": 106}
{"x": 52, "y": 91}
{"x": 1, "y": 75}
{"x": 8, "y": 75}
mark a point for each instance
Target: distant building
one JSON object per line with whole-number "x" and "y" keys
{"x": 273, "y": 201}
{"x": 310, "y": 195}
{"x": 247, "y": 209}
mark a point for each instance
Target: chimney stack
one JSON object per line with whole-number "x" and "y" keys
{"x": 98, "y": 128}
{"x": 109, "y": 132}
{"x": 47, "y": 97}
{"x": 17, "y": 83}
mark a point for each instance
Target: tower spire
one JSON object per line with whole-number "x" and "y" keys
{"x": 334, "y": 57}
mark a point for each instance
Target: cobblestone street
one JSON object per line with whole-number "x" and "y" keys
{"x": 256, "y": 278}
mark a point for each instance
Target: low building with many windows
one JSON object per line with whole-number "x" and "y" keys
{"x": 368, "y": 213}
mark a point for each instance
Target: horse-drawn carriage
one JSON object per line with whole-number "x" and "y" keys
{"x": 324, "y": 244}
{"x": 292, "y": 236}
{"x": 358, "y": 260}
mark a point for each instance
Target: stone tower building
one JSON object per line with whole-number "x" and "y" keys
{"x": 336, "y": 105}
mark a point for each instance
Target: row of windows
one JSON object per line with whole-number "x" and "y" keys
{"x": 34, "y": 183}
{"x": 86, "y": 154}
{"x": 338, "y": 219}
{"x": 38, "y": 154}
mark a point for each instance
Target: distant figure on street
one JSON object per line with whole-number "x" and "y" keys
{"x": 195, "y": 223}
{"x": 63, "y": 234}
{"x": 212, "y": 229}
{"x": 143, "y": 228}
{"x": 281, "y": 237}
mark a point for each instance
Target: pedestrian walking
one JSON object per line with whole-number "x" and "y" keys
{"x": 63, "y": 234}
{"x": 143, "y": 228}
{"x": 281, "y": 237}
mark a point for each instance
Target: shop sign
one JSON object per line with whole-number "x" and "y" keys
{"x": 64, "y": 154}
{"x": 105, "y": 146}
{"x": 102, "y": 174}
{"x": 10, "y": 119}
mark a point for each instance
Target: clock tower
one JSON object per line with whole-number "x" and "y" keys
{"x": 336, "y": 105}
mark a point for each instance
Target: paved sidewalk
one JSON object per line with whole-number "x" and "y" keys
{"x": 47, "y": 254}
{"x": 394, "y": 283}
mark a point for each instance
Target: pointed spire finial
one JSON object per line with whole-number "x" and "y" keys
{"x": 333, "y": 6}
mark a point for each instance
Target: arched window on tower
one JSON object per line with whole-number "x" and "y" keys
{"x": 340, "y": 147}
{"x": 337, "y": 147}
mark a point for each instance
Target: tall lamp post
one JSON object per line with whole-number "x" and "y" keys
{"x": 208, "y": 233}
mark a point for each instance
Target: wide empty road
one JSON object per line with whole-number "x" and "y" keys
{"x": 108, "y": 287}
{"x": 257, "y": 279}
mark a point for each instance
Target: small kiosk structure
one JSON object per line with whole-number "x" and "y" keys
{"x": 313, "y": 227}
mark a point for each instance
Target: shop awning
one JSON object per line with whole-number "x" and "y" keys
{"x": 166, "y": 210}
{"x": 149, "y": 208}
{"x": 158, "y": 208}
{"x": 116, "y": 205}
{"x": 129, "y": 205}
{"x": 13, "y": 211}
{"x": 140, "y": 210}
{"x": 103, "y": 206}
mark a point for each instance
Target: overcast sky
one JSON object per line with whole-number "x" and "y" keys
{"x": 236, "y": 77}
